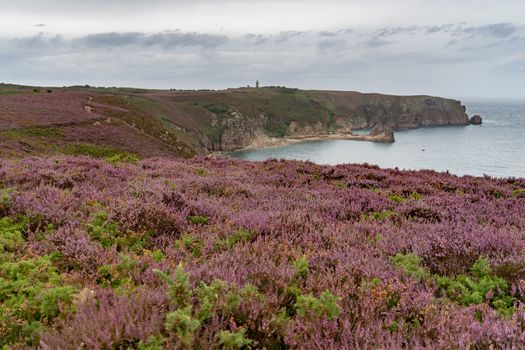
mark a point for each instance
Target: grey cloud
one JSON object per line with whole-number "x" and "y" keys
{"x": 376, "y": 42}
{"x": 498, "y": 30}
{"x": 111, "y": 39}
{"x": 38, "y": 41}
{"x": 173, "y": 39}
{"x": 40, "y": 25}
{"x": 437, "y": 29}
{"x": 331, "y": 45}
{"x": 397, "y": 30}
{"x": 285, "y": 36}
{"x": 257, "y": 39}
{"x": 328, "y": 34}
{"x": 166, "y": 40}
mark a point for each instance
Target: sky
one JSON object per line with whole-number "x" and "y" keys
{"x": 450, "y": 48}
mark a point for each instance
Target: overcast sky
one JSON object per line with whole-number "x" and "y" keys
{"x": 452, "y": 48}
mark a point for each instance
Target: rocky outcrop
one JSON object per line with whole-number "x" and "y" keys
{"x": 382, "y": 133}
{"x": 234, "y": 119}
{"x": 236, "y": 131}
{"x": 357, "y": 111}
{"x": 476, "y": 120}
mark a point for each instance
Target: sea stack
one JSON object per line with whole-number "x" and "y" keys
{"x": 476, "y": 120}
{"x": 382, "y": 133}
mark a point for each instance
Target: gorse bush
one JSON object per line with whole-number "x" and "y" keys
{"x": 301, "y": 267}
{"x": 324, "y": 306}
{"x": 183, "y": 324}
{"x": 233, "y": 340}
{"x": 190, "y": 244}
{"x": 410, "y": 263}
{"x": 107, "y": 232}
{"x": 32, "y": 293}
{"x": 198, "y": 220}
{"x": 11, "y": 238}
{"x": 122, "y": 157}
{"x": 239, "y": 236}
{"x": 186, "y": 320}
{"x": 395, "y": 198}
{"x": 480, "y": 286}
{"x": 381, "y": 216}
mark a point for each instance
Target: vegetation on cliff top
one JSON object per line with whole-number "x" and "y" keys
{"x": 224, "y": 254}
{"x": 185, "y": 123}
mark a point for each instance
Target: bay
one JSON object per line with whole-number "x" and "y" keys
{"x": 496, "y": 148}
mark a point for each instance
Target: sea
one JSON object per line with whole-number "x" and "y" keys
{"x": 496, "y": 148}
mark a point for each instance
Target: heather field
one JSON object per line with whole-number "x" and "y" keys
{"x": 223, "y": 254}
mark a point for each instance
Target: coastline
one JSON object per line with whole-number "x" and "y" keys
{"x": 263, "y": 142}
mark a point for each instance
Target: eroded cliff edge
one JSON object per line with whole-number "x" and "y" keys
{"x": 239, "y": 118}
{"x": 184, "y": 123}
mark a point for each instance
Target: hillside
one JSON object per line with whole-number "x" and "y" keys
{"x": 222, "y": 254}
{"x": 144, "y": 123}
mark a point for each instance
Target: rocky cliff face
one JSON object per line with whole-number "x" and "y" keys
{"x": 346, "y": 111}
{"x": 356, "y": 111}
{"x": 240, "y": 130}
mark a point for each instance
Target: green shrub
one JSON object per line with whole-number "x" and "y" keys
{"x": 301, "y": 267}
{"x": 410, "y": 263}
{"x": 207, "y": 296}
{"x": 240, "y": 236}
{"x": 55, "y": 133}
{"x": 217, "y": 108}
{"x": 191, "y": 244}
{"x": 370, "y": 283}
{"x": 106, "y": 231}
{"x": 415, "y": 196}
{"x": 183, "y": 324}
{"x": 475, "y": 288}
{"x": 519, "y": 193}
{"x": 154, "y": 342}
{"x": 5, "y": 198}
{"x": 31, "y": 291}
{"x": 103, "y": 230}
{"x": 378, "y": 215}
{"x": 117, "y": 276}
{"x": 325, "y": 305}
{"x": 122, "y": 157}
{"x": 496, "y": 194}
{"x": 198, "y": 219}
{"x": 179, "y": 289}
{"x": 202, "y": 172}
{"x": 11, "y": 237}
{"x": 395, "y": 198}
{"x": 233, "y": 340}
{"x": 51, "y": 298}
{"x": 157, "y": 255}
{"x": 111, "y": 154}
{"x": 480, "y": 286}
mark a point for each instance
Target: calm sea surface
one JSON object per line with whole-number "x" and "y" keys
{"x": 497, "y": 148}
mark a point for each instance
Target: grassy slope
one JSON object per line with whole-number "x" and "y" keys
{"x": 168, "y": 123}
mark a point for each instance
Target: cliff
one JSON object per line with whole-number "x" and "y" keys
{"x": 239, "y": 118}
{"x": 184, "y": 123}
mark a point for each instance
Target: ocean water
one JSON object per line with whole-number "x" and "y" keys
{"x": 496, "y": 148}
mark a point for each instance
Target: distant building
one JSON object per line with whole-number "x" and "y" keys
{"x": 257, "y": 84}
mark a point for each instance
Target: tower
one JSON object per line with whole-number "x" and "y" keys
{"x": 257, "y": 84}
